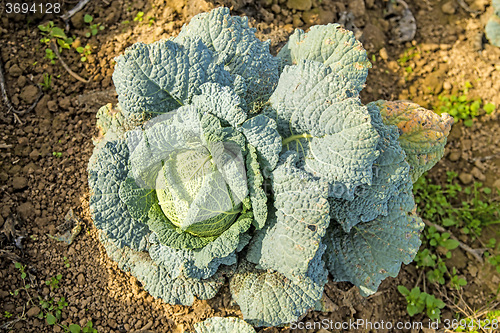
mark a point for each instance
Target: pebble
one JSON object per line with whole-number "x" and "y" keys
{"x": 454, "y": 156}
{"x": 15, "y": 71}
{"x": 33, "y": 311}
{"x": 357, "y": 7}
{"x": 299, "y": 4}
{"x": 383, "y": 53}
{"x": 465, "y": 178}
{"x": 21, "y": 81}
{"x": 447, "y": 85}
{"x": 448, "y": 8}
{"x": 80, "y": 279}
{"x": 276, "y": 8}
{"x": 478, "y": 174}
{"x": 496, "y": 184}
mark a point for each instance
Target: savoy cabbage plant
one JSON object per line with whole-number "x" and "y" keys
{"x": 222, "y": 161}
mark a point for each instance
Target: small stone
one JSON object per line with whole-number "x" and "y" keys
{"x": 478, "y": 174}
{"x": 35, "y": 155}
{"x": 454, "y": 156}
{"x": 21, "y": 81}
{"x": 33, "y": 311}
{"x": 77, "y": 20}
{"x": 299, "y": 4}
{"x": 52, "y": 105}
{"x": 357, "y": 7}
{"x": 466, "y": 178}
{"x": 28, "y": 94}
{"x": 80, "y": 279}
{"x": 15, "y": 71}
{"x": 448, "y": 8}
{"x": 311, "y": 17}
{"x": 496, "y": 184}
{"x": 383, "y": 54}
{"x": 276, "y": 8}
{"x": 19, "y": 183}
{"x": 447, "y": 85}
{"x": 297, "y": 22}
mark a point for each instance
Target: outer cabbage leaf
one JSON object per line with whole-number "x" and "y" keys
{"x": 222, "y": 102}
{"x": 333, "y": 46}
{"x": 223, "y": 325}
{"x": 390, "y": 172}
{"x": 255, "y": 188}
{"x": 152, "y": 79}
{"x": 423, "y": 133}
{"x": 226, "y": 243}
{"x": 320, "y": 116}
{"x": 262, "y": 133}
{"x": 492, "y": 28}
{"x": 182, "y": 262}
{"x": 157, "y": 280}
{"x": 112, "y": 123}
{"x": 108, "y": 168}
{"x": 270, "y": 299}
{"x": 373, "y": 250}
{"x": 293, "y": 237}
{"x": 237, "y": 48}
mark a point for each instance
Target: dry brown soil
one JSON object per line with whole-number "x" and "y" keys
{"x": 44, "y": 153}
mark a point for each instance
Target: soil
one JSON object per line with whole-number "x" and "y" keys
{"x": 44, "y": 153}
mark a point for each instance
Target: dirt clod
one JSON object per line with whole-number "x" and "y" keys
{"x": 33, "y": 311}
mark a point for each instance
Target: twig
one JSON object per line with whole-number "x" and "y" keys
{"x": 5, "y": 146}
{"x": 485, "y": 158}
{"x": 73, "y": 74}
{"x": 467, "y": 8}
{"x": 476, "y": 253}
{"x": 79, "y": 6}
{"x": 6, "y": 100}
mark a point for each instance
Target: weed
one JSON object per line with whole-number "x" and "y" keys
{"x": 94, "y": 28}
{"x": 52, "y": 32}
{"x": 57, "y": 153}
{"x": 419, "y": 301}
{"x": 50, "y": 55}
{"x": 54, "y": 281}
{"x": 139, "y": 17}
{"x": 47, "y": 82}
{"x": 409, "y": 54}
{"x": 151, "y": 20}
{"x": 460, "y": 106}
{"x": 66, "y": 262}
{"x": 468, "y": 209}
{"x": 7, "y": 314}
{"x": 84, "y": 52}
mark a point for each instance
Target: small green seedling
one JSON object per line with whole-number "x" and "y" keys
{"x": 50, "y": 55}
{"x": 139, "y": 17}
{"x": 57, "y": 153}
{"x": 84, "y": 52}
{"x": 7, "y": 314}
{"x": 47, "y": 82}
{"x": 455, "y": 281}
{"x": 54, "y": 281}
{"x": 66, "y": 262}
{"x": 94, "y": 28}
{"x": 419, "y": 301}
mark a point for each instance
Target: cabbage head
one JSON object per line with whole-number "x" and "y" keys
{"x": 223, "y": 162}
